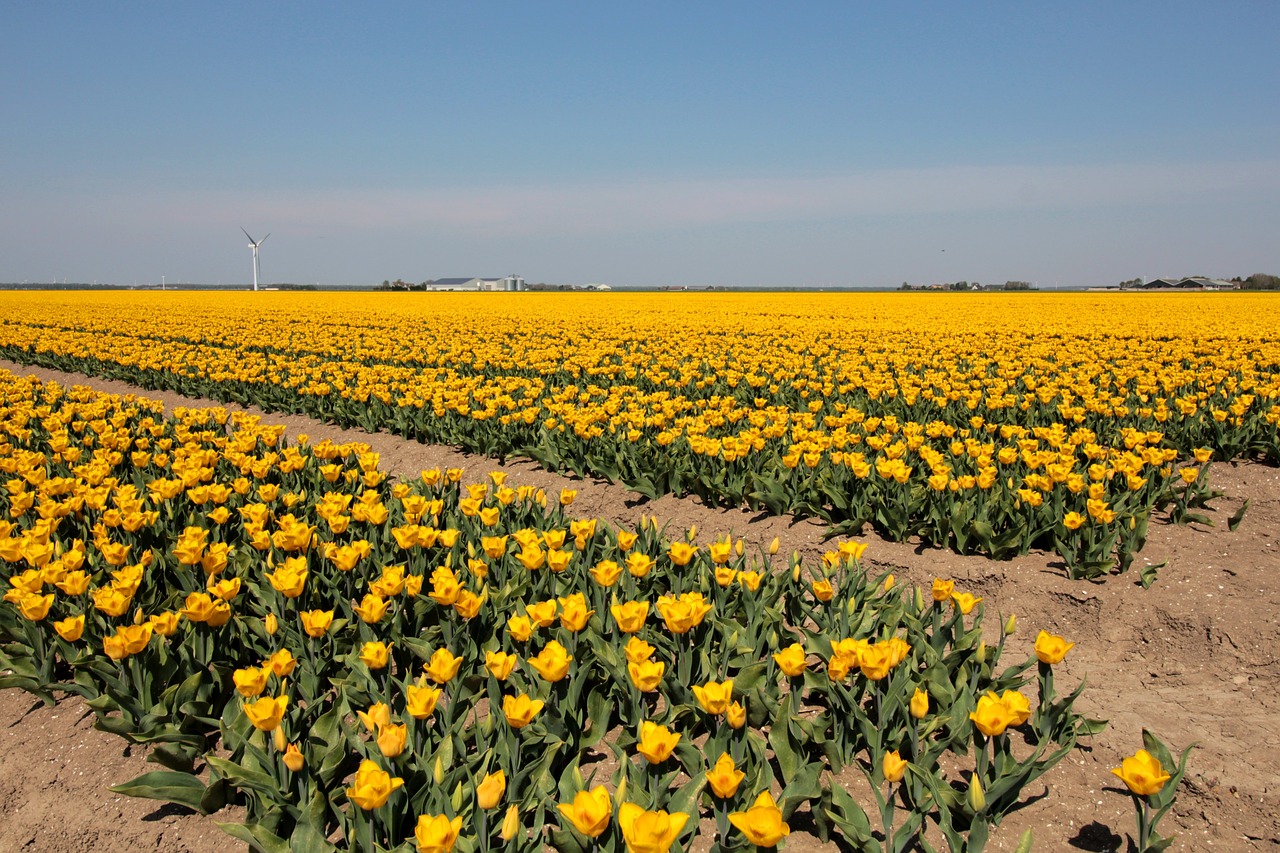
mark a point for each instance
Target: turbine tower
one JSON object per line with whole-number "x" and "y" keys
{"x": 254, "y": 244}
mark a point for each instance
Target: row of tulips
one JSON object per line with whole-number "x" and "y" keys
{"x": 445, "y": 664}
{"x": 995, "y": 449}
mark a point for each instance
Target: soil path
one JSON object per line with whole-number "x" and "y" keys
{"x": 1195, "y": 659}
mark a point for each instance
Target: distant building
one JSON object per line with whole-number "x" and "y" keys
{"x": 1195, "y": 283}
{"x": 478, "y": 283}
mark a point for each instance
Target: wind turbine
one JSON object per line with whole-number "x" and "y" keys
{"x": 254, "y": 244}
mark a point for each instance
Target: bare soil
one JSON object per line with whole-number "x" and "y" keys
{"x": 1194, "y": 659}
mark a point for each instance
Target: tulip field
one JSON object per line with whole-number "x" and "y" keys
{"x": 455, "y": 661}
{"x": 985, "y": 423}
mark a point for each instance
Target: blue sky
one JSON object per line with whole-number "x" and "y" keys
{"x": 651, "y": 143}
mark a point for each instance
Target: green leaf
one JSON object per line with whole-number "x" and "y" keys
{"x": 1148, "y": 576}
{"x": 168, "y": 786}
{"x": 1238, "y": 516}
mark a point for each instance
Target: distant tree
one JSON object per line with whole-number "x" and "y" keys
{"x": 1261, "y": 281}
{"x": 1133, "y": 282}
{"x": 1017, "y": 285}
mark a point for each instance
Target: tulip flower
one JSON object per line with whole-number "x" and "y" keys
{"x": 649, "y": 832}
{"x": 574, "y": 613}
{"x": 372, "y": 787}
{"x": 1142, "y": 774}
{"x": 919, "y": 703}
{"x": 965, "y": 602}
{"x": 724, "y": 778}
{"x": 1050, "y": 648}
{"x": 762, "y": 823}
{"x": 293, "y": 758}
{"x": 520, "y": 710}
{"x": 791, "y": 660}
{"x": 71, "y": 628}
{"x": 714, "y": 697}
{"x": 894, "y": 766}
{"x": 646, "y": 675}
{"x": 377, "y": 716}
{"x": 490, "y": 790}
{"x": 392, "y": 738}
{"x": 656, "y": 742}
{"x": 443, "y": 666}
{"x": 942, "y": 590}
{"x": 267, "y": 713}
{"x": 736, "y": 715}
{"x": 552, "y": 663}
{"x": 376, "y": 654}
{"x": 500, "y": 664}
{"x": 420, "y": 700}
{"x": 371, "y": 609}
{"x": 992, "y": 716}
{"x": 589, "y": 812}
{"x": 281, "y": 663}
{"x": 630, "y": 615}
{"x": 316, "y": 622}
{"x": 250, "y": 682}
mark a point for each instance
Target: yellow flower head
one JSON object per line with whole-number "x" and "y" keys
{"x": 1050, "y": 648}
{"x": 762, "y": 824}
{"x": 1142, "y": 773}
{"x": 589, "y": 812}
{"x": 372, "y": 786}
{"x": 649, "y": 832}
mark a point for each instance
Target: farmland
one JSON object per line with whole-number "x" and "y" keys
{"x": 992, "y": 426}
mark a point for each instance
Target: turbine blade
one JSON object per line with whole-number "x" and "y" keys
{"x": 264, "y": 239}
{"x": 246, "y": 233}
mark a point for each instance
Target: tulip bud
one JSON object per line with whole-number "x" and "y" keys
{"x": 795, "y": 572}
{"x": 272, "y": 624}
{"x": 977, "y": 799}
{"x": 888, "y": 582}
{"x": 490, "y": 790}
{"x": 775, "y": 545}
{"x": 919, "y": 599}
{"x": 437, "y": 772}
{"x": 693, "y": 532}
{"x": 1010, "y": 624}
{"x": 620, "y": 795}
{"x": 279, "y": 738}
{"x": 293, "y": 758}
{"x": 981, "y": 653}
{"x": 510, "y": 823}
{"x": 737, "y": 548}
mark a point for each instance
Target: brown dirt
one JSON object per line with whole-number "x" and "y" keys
{"x": 1194, "y": 659}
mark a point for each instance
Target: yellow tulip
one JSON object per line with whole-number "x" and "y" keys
{"x": 630, "y": 615}
{"x": 791, "y": 660}
{"x": 490, "y": 790}
{"x": 552, "y": 663}
{"x": 919, "y": 704}
{"x": 316, "y": 622}
{"x": 293, "y": 758}
{"x": 649, "y": 832}
{"x": 1050, "y": 648}
{"x": 376, "y": 655}
{"x": 372, "y": 787}
{"x": 520, "y": 710}
{"x": 656, "y": 742}
{"x": 392, "y": 738}
{"x": 991, "y": 716}
{"x": 371, "y": 609}
{"x": 646, "y": 675}
{"x": 1142, "y": 773}
{"x": 894, "y": 766}
{"x": 965, "y": 602}
{"x": 942, "y": 590}
{"x": 267, "y": 713}
{"x": 589, "y": 812}
{"x": 762, "y": 823}
{"x": 443, "y": 666}
{"x": 736, "y": 715}
{"x": 281, "y": 663}
{"x": 377, "y": 716}
{"x": 501, "y": 664}
{"x": 251, "y": 681}
{"x": 420, "y": 700}
{"x": 714, "y": 697}
{"x": 437, "y": 833}
{"x": 724, "y": 778}
{"x": 574, "y": 613}
{"x": 71, "y": 628}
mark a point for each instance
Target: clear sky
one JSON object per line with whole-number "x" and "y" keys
{"x": 752, "y": 143}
